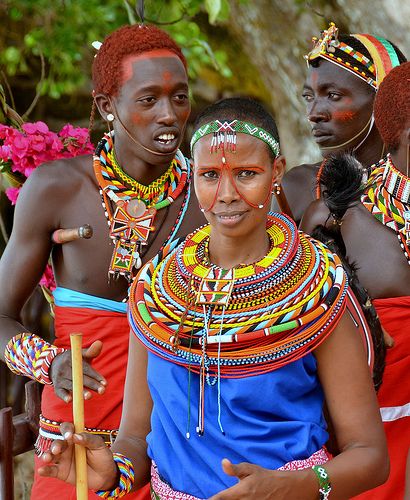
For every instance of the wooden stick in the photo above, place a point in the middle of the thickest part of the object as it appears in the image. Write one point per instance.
(78, 414)
(61, 236)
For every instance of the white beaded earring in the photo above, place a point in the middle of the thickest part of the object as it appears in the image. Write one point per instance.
(110, 117)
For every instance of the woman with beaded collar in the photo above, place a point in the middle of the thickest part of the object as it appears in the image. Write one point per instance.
(240, 335)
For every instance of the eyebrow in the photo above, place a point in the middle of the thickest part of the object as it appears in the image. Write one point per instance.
(155, 86)
(238, 167)
(327, 85)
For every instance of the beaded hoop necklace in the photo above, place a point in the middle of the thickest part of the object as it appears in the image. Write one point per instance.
(387, 197)
(135, 205)
(244, 321)
(269, 313)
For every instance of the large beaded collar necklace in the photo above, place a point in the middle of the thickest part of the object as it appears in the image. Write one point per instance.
(387, 197)
(244, 321)
(131, 207)
(269, 313)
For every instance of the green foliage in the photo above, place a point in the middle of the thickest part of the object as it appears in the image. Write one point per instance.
(54, 38)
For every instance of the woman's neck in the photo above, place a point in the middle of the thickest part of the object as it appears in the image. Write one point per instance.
(227, 252)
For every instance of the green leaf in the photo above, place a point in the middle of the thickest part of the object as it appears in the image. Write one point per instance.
(11, 55)
(213, 7)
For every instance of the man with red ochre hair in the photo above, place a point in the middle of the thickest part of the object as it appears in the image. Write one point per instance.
(137, 183)
(376, 234)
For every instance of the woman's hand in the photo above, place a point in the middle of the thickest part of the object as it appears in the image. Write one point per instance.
(61, 373)
(264, 484)
(59, 461)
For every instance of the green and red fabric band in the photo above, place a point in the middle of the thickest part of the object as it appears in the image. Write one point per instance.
(224, 135)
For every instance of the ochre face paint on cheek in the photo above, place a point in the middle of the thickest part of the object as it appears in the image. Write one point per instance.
(138, 119)
(344, 116)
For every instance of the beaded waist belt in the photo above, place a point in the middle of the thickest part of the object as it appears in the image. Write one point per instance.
(161, 490)
(50, 430)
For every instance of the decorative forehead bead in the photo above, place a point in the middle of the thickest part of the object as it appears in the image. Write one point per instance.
(224, 135)
(223, 160)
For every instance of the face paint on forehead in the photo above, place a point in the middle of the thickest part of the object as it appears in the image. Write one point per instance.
(127, 69)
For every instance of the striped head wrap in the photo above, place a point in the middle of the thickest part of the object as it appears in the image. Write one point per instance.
(369, 57)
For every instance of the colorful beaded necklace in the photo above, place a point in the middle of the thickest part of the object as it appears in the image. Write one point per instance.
(267, 311)
(243, 321)
(136, 205)
(387, 197)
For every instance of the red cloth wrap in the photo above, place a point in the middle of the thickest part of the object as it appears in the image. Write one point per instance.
(101, 411)
(394, 315)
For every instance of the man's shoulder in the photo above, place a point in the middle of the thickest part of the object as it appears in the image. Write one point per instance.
(61, 174)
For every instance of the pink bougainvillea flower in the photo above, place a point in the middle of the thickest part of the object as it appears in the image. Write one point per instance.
(35, 128)
(47, 279)
(33, 145)
(12, 194)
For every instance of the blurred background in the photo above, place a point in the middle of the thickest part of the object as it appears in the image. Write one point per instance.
(234, 47)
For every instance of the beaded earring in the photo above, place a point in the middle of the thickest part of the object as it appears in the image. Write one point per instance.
(110, 117)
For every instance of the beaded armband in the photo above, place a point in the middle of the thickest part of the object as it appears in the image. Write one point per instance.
(324, 484)
(126, 480)
(29, 355)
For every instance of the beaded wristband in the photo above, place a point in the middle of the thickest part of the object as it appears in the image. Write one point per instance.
(29, 355)
(324, 484)
(126, 480)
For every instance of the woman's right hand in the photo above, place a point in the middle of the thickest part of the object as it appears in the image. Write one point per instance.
(59, 461)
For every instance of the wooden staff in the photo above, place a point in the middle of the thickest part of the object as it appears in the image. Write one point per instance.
(78, 415)
(61, 236)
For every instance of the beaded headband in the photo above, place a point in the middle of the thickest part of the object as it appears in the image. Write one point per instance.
(329, 47)
(224, 135)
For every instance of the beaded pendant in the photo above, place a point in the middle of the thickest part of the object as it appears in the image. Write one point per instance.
(135, 206)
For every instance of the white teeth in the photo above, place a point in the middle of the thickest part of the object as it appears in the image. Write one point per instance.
(166, 137)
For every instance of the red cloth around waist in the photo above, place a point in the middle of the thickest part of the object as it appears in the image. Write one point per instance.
(101, 411)
(394, 315)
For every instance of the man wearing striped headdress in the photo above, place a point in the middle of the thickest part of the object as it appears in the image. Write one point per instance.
(344, 74)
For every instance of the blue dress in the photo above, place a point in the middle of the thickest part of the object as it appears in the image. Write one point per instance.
(268, 420)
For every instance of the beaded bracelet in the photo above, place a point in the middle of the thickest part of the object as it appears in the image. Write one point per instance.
(324, 484)
(126, 480)
(29, 355)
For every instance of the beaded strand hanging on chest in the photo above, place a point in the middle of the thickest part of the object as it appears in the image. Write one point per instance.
(131, 220)
(387, 198)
